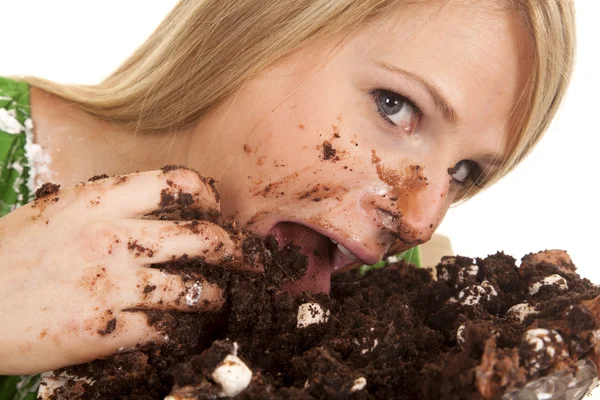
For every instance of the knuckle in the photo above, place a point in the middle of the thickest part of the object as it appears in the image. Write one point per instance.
(187, 179)
(191, 181)
(217, 234)
(101, 237)
(88, 193)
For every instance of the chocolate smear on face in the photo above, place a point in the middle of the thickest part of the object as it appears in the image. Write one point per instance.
(328, 150)
(409, 178)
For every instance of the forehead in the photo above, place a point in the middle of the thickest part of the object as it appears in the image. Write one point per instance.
(478, 53)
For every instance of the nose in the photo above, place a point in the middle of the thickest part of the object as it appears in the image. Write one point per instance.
(410, 204)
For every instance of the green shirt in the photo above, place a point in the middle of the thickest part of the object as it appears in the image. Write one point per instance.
(16, 189)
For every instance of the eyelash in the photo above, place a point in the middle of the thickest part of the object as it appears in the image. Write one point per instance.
(411, 103)
(475, 174)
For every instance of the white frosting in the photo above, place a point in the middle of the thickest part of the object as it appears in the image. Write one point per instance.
(471, 295)
(311, 313)
(460, 334)
(393, 259)
(9, 122)
(471, 270)
(50, 383)
(555, 279)
(444, 274)
(232, 375)
(359, 384)
(490, 289)
(365, 342)
(38, 159)
(537, 337)
(543, 340)
(521, 311)
(194, 294)
(178, 397)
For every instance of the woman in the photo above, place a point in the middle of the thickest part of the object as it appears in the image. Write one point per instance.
(347, 127)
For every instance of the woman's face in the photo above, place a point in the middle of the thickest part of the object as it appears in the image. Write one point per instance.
(367, 140)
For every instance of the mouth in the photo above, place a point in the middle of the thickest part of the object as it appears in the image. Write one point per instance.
(327, 254)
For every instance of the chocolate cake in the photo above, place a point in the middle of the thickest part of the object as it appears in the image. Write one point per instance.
(480, 328)
(484, 329)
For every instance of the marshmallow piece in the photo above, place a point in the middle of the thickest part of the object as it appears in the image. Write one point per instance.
(311, 313)
(393, 259)
(471, 295)
(359, 384)
(542, 348)
(521, 311)
(232, 375)
(489, 289)
(50, 383)
(178, 397)
(460, 334)
(555, 279)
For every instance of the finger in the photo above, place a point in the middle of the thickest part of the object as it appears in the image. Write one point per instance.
(158, 290)
(132, 328)
(155, 242)
(106, 335)
(144, 193)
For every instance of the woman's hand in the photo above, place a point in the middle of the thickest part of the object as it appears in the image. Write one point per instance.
(73, 262)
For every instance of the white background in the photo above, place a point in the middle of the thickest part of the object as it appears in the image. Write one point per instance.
(550, 201)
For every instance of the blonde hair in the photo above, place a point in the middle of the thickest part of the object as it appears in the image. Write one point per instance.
(205, 49)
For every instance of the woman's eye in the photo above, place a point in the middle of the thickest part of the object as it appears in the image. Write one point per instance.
(464, 171)
(397, 109)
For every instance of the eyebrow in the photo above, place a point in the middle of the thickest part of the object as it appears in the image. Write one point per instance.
(441, 103)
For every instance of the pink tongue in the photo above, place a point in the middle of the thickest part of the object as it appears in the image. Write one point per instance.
(316, 248)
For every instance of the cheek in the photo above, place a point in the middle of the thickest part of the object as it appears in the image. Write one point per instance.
(313, 165)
